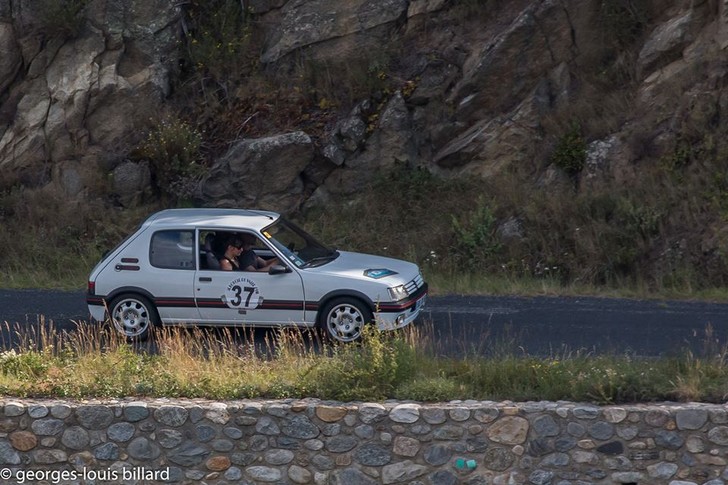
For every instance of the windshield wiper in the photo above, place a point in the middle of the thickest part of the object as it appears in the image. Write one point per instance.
(318, 259)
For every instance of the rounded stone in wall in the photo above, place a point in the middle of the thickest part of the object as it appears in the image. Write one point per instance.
(13, 409)
(691, 418)
(437, 455)
(107, 451)
(545, 426)
(576, 429)
(341, 443)
(218, 463)
(60, 411)
(406, 446)
(657, 417)
(443, 477)
(242, 459)
(299, 474)
(37, 411)
(172, 416)
(233, 473)
(137, 411)
(279, 457)
(330, 414)
(486, 414)
(23, 440)
(233, 433)
(509, 430)
(169, 438)
(205, 433)
(498, 459)
(459, 414)
(350, 476)
(669, 439)
(222, 445)
(300, 427)
(371, 454)
(120, 432)
(405, 413)
(719, 435)
(142, 449)
(95, 417)
(364, 431)
(264, 473)
(8, 456)
(75, 438)
(47, 427)
(258, 443)
(601, 430)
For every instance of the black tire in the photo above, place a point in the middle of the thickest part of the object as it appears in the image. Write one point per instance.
(343, 319)
(134, 316)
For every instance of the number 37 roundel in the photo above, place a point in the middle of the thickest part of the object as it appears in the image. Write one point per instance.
(242, 293)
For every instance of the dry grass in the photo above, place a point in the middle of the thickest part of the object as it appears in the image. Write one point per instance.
(217, 364)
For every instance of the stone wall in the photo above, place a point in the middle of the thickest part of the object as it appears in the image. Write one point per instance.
(315, 442)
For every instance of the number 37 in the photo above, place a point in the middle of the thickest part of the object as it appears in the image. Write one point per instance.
(238, 290)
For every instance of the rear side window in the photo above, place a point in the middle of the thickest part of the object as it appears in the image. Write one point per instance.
(173, 250)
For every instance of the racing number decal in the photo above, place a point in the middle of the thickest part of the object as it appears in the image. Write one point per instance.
(242, 293)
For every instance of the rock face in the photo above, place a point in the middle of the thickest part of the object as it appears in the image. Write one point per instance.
(61, 98)
(477, 86)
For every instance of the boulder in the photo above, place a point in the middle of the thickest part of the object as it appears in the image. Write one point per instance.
(262, 173)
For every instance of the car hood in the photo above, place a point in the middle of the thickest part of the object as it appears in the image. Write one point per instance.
(370, 268)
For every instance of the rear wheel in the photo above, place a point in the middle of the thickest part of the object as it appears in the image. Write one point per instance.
(134, 316)
(343, 319)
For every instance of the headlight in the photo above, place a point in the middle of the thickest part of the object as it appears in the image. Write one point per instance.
(398, 293)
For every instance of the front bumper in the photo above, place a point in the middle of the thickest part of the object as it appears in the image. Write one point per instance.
(399, 315)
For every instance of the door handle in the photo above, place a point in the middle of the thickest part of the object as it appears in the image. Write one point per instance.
(205, 279)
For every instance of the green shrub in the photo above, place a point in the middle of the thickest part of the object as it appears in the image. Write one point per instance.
(475, 235)
(570, 152)
(25, 365)
(368, 370)
(219, 40)
(172, 148)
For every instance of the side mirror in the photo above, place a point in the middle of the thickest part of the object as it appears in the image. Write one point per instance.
(278, 269)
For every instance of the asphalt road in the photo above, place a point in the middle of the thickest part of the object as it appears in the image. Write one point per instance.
(458, 325)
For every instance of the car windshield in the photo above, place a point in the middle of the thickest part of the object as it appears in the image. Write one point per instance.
(299, 247)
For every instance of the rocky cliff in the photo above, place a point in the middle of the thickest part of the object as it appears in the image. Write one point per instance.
(474, 87)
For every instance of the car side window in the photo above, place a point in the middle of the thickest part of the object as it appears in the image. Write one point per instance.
(172, 250)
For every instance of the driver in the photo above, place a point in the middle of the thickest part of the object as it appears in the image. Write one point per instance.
(248, 260)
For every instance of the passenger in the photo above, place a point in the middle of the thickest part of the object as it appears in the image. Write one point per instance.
(210, 254)
(249, 261)
(229, 259)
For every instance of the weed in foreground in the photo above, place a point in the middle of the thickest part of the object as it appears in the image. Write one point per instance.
(93, 361)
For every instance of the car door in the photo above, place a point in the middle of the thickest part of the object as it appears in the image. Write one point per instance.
(249, 297)
(169, 276)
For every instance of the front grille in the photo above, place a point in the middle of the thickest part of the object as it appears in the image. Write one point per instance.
(415, 284)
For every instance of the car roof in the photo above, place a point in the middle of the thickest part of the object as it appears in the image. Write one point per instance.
(211, 218)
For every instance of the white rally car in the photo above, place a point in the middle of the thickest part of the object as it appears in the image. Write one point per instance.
(164, 273)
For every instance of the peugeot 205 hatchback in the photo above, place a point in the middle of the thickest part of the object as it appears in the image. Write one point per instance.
(168, 272)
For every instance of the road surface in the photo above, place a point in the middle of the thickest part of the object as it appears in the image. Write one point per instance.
(479, 325)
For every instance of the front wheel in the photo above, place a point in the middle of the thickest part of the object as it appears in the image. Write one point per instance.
(133, 316)
(343, 319)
